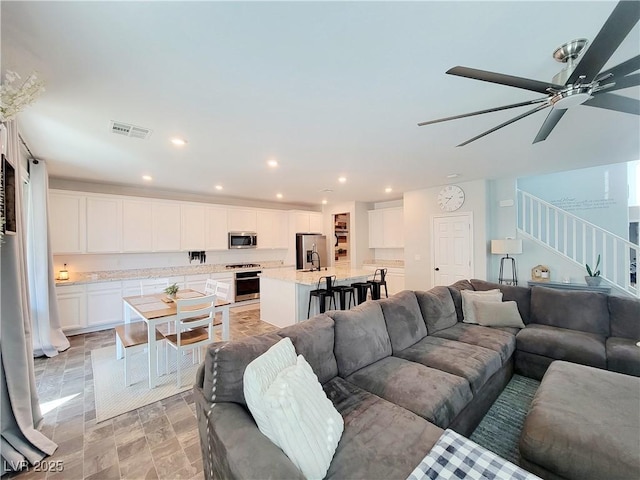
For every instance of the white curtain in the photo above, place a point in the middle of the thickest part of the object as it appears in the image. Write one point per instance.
(20, 413)
(48, 338)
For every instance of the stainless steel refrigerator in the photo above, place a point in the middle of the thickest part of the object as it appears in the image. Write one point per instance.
(311, 251)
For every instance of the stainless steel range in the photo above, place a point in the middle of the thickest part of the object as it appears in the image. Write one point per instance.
(247, 283)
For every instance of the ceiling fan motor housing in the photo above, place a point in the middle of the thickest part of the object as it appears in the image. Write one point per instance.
(568, 53)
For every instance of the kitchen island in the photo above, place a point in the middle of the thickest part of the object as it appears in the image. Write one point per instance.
(284, 292)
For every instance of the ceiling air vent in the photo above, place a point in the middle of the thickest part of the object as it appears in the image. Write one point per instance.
(128, 130)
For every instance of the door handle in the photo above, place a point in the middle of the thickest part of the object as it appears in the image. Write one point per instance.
(437, 269)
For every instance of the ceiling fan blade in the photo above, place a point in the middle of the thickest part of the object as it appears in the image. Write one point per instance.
(509, 80)
(480, 112)
(623, 18)
(508, 122)
(615, 102)
(623, 69)
(549, 124)
(624, 82)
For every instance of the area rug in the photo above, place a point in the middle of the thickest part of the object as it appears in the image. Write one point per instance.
(111, 395)
(499, 430)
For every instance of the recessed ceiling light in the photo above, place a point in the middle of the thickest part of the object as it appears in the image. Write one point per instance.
(453, 175)
(218, 187)
(324, 202)
(342, 179)
(179, 142)
(388, 190)
(279, 195)
(273, 163)
(147, 178)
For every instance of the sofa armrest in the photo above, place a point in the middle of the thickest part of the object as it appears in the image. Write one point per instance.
(233, 447)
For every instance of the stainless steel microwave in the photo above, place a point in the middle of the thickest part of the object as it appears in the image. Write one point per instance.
(243, 240)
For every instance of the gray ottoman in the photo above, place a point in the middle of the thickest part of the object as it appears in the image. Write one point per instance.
(584, 423)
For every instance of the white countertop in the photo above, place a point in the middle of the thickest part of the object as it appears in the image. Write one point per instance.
(311, 278)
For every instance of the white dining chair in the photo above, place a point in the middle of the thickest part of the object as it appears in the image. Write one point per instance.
(223, 291)
(210, 287)
(194, 329)
(133, 338)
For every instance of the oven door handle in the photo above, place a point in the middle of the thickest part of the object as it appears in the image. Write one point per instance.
(246, 278)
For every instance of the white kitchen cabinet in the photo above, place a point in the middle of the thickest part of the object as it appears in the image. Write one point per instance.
(386, 228)
(316, 223)
(67, 220)
(307, 222)
(192, 231)
(104, 303)
(196, 282)
(273, 228)
(165, 223)
(104, 224)
(72, 306)
(241, 220)
(137, 231)
(216, 230)
(394, 278)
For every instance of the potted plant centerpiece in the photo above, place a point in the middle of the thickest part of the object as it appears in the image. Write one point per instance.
(593, 279)
(171, 290)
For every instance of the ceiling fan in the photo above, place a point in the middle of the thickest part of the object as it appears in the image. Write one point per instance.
(579, 83)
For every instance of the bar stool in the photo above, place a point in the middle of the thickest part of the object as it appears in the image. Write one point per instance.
(342, 291)
(362, 288)
(376, 284)
(323, 294)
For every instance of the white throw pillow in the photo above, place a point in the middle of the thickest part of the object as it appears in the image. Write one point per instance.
(470, 296)
(498, 314)
(260, 374)
(295, 413)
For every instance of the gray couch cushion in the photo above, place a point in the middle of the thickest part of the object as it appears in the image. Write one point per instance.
(361, 337)
(435, 395)
(625, 317)
(380, 440)
(623, 356)
(225, 363)
(404, 320)
(457, 297)
(438, 309)
(583, 423)
(520, 295)
(474, 363)
(563, 344)
(583, 311)
(313, 339)
(497, 340)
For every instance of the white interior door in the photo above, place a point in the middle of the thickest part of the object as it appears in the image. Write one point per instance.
(452, 247)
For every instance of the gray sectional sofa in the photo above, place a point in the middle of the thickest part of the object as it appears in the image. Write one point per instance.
(399, 371)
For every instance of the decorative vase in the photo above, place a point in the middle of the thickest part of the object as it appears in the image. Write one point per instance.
(592, 281)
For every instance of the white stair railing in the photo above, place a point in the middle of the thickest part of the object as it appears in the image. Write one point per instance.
(579, 241)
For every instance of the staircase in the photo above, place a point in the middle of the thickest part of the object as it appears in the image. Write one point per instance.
(579, 241)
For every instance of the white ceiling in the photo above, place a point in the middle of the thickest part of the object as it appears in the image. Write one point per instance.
(327, 88)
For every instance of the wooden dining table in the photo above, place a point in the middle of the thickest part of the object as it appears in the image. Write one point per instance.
(156, 309)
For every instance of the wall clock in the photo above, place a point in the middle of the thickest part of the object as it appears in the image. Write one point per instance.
(450, 198)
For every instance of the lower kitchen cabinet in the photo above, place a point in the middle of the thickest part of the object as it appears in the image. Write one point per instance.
(104, 304)
(72, 306)
(394, 277)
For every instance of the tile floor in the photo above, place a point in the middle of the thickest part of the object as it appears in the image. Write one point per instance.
(158, 441)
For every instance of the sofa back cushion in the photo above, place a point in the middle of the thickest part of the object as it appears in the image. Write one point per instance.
(625, 317)
(226, 362)
(361, 337)
(583, 311)
(454, 290)
(520, 295)
(403, 318)
(438, 309)
(314, 340)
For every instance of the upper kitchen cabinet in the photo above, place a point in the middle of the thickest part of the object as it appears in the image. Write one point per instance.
(273, 228)
(241, 220)
(307, 222)
(386, 228)
(67, 213)
(104, 224)
(192, 232)
(215, 222)
(165, 222)
(137, 225)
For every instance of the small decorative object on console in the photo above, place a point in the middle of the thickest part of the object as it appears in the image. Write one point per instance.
(593, 279)
(172, 290)
(540, 273)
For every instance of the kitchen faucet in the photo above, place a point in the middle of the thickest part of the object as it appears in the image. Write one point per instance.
(312, 264)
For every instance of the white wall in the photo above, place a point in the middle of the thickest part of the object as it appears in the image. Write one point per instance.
(419, 208)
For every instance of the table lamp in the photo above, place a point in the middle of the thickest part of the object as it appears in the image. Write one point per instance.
(64, 273)
(507, 246)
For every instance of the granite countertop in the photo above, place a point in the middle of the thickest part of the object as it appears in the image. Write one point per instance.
(289, 274)
(384, 263)
(79, 278)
